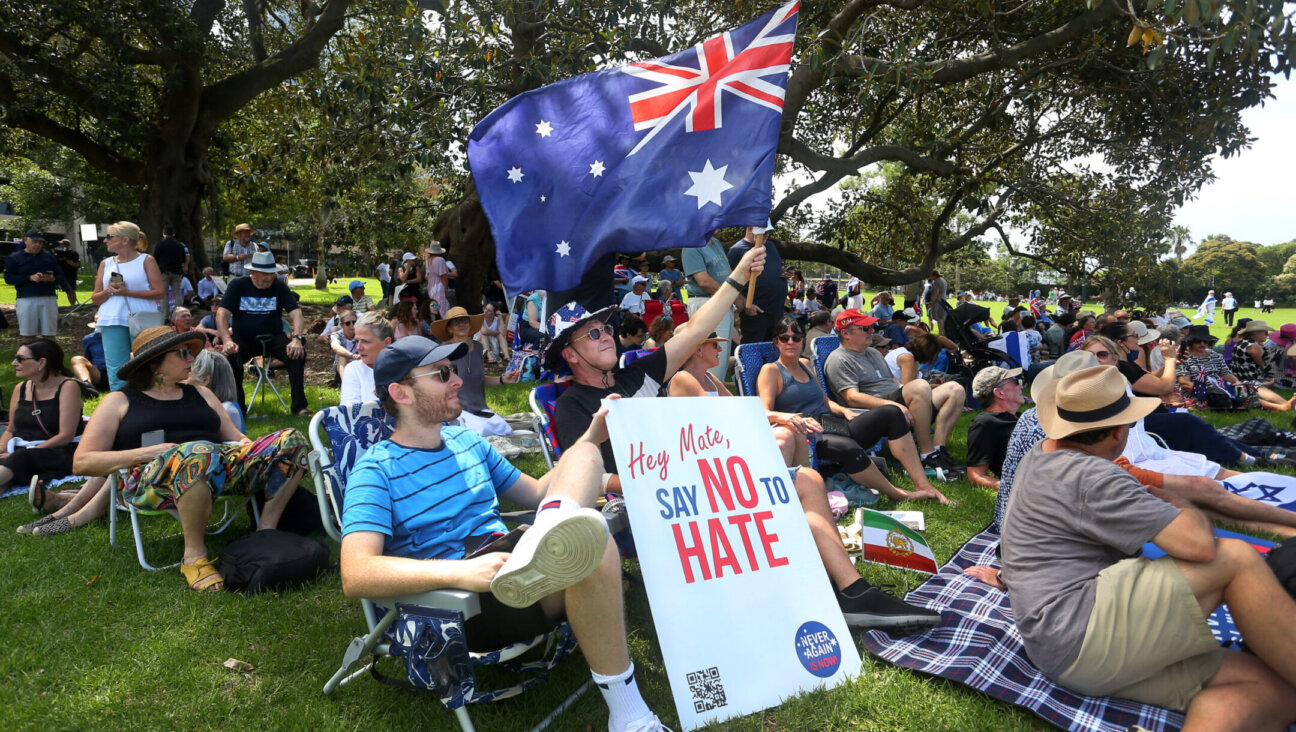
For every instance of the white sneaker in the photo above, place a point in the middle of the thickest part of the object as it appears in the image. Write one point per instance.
(553, 555)
(647, 724)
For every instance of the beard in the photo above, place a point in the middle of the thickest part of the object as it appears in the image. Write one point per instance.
(437, 409)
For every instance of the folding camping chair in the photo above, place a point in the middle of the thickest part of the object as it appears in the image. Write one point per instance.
(231, 508)
(263, 376)
(821, 347)
(338, 436)
(748, 360)
(542, 399)
(1016, 347)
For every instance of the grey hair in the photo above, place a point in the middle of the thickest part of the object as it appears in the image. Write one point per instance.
(375, 323)
(1170, 332)
(214, 368)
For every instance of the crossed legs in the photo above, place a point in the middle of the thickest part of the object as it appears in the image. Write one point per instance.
(943, 403)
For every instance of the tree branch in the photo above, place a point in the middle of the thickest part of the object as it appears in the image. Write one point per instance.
(97, 155)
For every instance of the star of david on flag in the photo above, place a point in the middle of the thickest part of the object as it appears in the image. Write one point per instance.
(652, 155)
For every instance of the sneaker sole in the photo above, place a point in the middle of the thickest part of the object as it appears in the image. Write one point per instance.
(569, 552)
(903, 624)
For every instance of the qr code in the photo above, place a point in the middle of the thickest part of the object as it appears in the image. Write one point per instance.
(708, 693)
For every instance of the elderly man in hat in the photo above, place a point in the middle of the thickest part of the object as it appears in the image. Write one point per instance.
(1000, 392)
(633, 302)
(254, 306)
(670, 273)
(415, 521)
(33, 273)
(239, 249)
(1101, 620)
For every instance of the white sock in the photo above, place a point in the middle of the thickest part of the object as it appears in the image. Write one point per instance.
(1247, 459)
(621, 694)
(924, 455)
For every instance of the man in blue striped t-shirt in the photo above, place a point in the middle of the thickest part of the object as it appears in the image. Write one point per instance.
(420, 504)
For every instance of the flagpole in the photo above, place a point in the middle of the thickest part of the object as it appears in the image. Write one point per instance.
(751, 279)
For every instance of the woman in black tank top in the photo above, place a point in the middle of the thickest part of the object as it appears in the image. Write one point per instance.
(177, 446)
(45, 408)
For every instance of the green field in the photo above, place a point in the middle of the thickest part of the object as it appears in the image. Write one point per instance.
(94, 642)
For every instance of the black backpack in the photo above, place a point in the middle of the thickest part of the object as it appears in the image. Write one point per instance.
(272, 560)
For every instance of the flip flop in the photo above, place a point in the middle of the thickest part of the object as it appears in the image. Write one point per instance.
(36, 496)
(201, 576)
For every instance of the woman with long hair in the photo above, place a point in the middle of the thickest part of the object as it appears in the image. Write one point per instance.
(797, 406)
(128, 282)
(661, 330)
(406, 321)
(44, 408)
(212, 370)
(179, 447)
(1198, 358)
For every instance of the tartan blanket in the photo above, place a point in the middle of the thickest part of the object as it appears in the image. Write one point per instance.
(977, 645)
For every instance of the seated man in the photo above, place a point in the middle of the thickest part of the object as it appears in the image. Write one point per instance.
(91, 369)
(421, 502)
(210, 289)
(859, 377)
(581, 341)
(1097, 618)
(252, 306)
(1000, 392)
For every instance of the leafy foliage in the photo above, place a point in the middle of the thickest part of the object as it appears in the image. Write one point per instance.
(1223, 264)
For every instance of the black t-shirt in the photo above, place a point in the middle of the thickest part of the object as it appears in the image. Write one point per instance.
(987, 441)
(771, 291)
(170, 256)
(255, 311)
(1130, 370)
(576, 407)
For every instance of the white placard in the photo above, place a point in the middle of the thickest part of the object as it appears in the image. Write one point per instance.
(89, 232)
(744, 611)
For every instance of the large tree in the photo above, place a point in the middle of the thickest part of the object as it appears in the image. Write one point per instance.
(140, 89)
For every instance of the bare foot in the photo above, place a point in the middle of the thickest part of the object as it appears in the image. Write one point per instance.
(988, 575)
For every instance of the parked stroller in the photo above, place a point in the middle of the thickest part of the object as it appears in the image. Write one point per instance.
(957, 328)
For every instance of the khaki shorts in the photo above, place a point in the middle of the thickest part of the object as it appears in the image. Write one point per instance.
(1147, 639)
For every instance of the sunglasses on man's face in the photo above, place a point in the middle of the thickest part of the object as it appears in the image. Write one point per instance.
(594, 333)
(442, 373)
(348, 322)
(790, 338)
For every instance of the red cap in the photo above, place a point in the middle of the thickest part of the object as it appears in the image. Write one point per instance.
(848, 318)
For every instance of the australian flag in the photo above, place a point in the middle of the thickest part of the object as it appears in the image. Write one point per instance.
(648, 156)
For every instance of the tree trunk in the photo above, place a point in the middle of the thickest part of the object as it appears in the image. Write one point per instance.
(321, 270)
(464, 232)
(174, 195)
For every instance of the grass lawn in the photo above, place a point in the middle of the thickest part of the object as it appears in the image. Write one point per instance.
(94, 642)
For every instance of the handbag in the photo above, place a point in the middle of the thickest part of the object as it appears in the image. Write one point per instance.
(272, 559)
(144, 319)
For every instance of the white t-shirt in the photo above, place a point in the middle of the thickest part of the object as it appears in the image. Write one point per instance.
(893, 360)
(1229, 303)
(357, 384)
(384, 272)
(633, 303)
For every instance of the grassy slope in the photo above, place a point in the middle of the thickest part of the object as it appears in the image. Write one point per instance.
(94, 642)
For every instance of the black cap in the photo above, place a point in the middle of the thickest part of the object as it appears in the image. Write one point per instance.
(34, 234)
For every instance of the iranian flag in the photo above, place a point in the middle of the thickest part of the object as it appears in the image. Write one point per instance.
(887, 541)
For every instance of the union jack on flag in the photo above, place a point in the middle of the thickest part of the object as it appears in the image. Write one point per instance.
(722, 66)
(653, 155)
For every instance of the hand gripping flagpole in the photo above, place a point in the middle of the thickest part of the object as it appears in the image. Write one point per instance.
(751, 278)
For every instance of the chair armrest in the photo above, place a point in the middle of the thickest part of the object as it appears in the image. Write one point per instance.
(450, 599)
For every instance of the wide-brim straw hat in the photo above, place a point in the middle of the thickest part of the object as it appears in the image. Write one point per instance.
(1257, 326)
(434, 248)
(1067, 364)
(243, 227)
(441, 328)
(156, 341)
(1089, 399)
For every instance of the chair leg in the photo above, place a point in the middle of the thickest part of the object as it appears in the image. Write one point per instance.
(139, 543)
(465, 722)
(563, 707)
(360, 648)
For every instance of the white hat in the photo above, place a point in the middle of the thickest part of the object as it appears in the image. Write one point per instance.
(407, 256)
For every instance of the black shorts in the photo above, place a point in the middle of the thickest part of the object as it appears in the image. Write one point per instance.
(896, 396)
(499, 625)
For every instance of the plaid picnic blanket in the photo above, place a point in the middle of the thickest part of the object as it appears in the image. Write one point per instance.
(977, 644)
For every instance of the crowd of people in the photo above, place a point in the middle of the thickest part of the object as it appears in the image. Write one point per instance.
(1087, 483)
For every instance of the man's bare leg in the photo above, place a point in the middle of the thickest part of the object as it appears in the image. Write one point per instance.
(918, 398)
(1261, 608)
(1243, 695)
(948, 400)
(1212, 495)
(594, 609)
(814, 502)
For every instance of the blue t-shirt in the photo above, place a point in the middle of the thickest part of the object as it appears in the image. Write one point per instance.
(428, 502)
(92, 348)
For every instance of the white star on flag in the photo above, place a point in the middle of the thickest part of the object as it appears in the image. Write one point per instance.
(564, 249)
(708, 184)
(544, 129)
(543, 199)
(515, 175)
(596, 168)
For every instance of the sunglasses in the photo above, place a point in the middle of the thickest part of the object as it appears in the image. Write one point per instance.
(348, 322)
(442, 373)
(1101, 354)
(24, 358)
(790, 338)
(594, 333)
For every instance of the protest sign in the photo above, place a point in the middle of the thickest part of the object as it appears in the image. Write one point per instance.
(745, 613)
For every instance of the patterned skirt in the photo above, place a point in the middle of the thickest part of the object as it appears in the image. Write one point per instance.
(238, 469)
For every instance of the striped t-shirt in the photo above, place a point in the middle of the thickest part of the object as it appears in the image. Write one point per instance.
(428, 502)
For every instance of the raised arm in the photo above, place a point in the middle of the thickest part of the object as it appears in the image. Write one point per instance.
(679, 348)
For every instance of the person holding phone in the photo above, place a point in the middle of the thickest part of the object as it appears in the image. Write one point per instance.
(33, 273)
(196, 453)
(128, 282)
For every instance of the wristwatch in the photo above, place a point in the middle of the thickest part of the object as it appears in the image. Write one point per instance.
(300, 337)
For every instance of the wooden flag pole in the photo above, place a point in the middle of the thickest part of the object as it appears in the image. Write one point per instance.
(751, 278)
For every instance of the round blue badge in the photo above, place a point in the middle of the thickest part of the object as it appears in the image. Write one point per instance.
(818, 649)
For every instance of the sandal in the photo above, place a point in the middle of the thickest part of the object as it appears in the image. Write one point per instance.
(36, 496)
(201, 576)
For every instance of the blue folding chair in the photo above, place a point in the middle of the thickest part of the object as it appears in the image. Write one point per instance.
(748, 360)
(630, 357)
(543, 399)
(347, 432)
(821, 347)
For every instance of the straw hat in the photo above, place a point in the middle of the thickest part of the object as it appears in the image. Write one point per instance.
(434, 248)
(441, 328)
(243, 227)
(1145, 334)
(1089, 399)
(1069, 363)
(156, 341)
(1257, 326)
